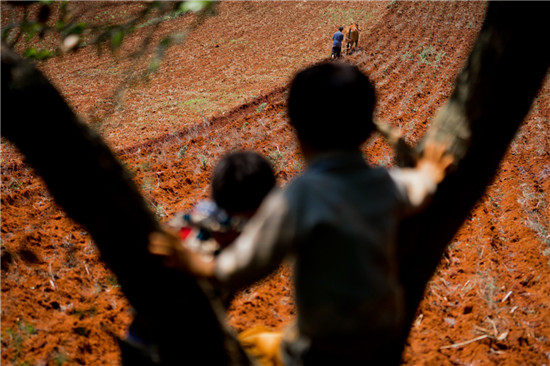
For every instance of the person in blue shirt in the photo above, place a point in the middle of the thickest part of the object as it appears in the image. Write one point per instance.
(337, 39)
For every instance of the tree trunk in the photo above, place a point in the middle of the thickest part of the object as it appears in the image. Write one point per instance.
(492, 96)
(90, 184)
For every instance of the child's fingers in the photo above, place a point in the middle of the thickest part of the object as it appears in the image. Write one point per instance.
(428, 150)
(437, 152)
(447, 160)
(435, 160)
(433, 150)
(160, 244)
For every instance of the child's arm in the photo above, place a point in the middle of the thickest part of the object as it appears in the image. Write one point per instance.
(177, 255)
(259, 249)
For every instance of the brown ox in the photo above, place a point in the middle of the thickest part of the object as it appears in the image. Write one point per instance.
(351, 37)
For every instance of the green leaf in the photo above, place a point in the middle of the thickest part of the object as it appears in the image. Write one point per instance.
(30, 52)
(154, 4)
(154, 65)
(44, 54)
(194, 5)
(116, 38)
(31, 28)
(76, 28)
(35, 54)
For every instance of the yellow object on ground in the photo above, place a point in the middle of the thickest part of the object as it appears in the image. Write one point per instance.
(263, 345)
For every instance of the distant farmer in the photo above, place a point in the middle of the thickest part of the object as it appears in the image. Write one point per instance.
(337, 39)
(338, 222)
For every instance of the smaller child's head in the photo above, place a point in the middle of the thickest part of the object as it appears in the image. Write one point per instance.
(240, 182)
(331, 106)
(340, 28)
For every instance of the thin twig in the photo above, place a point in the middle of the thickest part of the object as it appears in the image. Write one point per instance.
(418, 320)
(458, 345)
(52, 278)
(495, 333)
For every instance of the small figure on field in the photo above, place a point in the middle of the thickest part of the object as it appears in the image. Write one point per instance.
(351, 38)
(338, 222)
(337, 39)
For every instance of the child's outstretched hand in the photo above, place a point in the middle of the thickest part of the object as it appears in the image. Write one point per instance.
(176, 255)
(434, 161)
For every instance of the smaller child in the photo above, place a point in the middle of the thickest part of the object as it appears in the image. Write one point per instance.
(240, 182)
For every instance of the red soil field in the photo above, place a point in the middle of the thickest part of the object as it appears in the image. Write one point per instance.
(224, 89)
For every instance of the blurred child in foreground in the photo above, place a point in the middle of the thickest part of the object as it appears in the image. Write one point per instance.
(338, 221)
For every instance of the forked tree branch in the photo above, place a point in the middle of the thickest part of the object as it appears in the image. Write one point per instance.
(493, 95)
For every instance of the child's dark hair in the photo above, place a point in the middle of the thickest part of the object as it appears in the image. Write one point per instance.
(241, 180)
(331, 105)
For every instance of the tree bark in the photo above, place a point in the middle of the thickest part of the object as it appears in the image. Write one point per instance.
(492, 96)
(91, 185)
